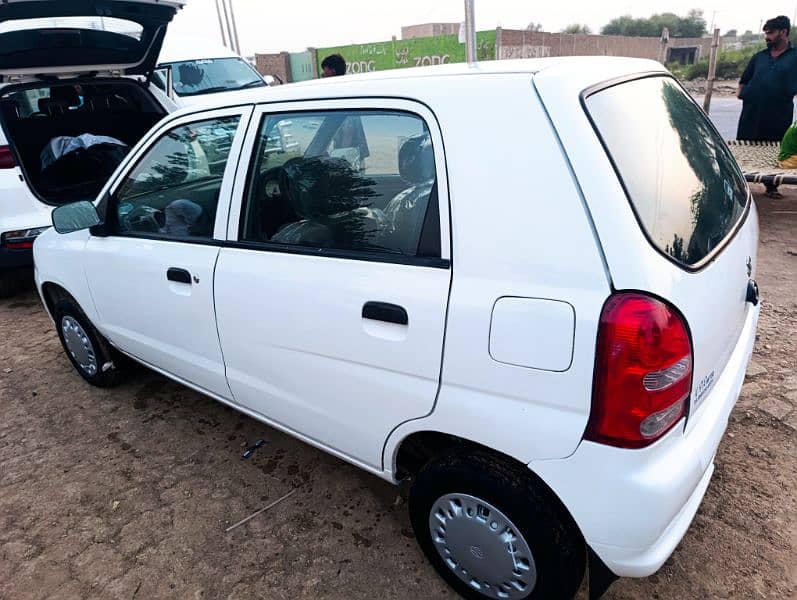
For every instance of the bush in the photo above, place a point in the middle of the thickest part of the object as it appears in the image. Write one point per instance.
(678, 69)
(730, 64)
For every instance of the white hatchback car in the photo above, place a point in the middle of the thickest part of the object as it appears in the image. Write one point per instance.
(69, 69)
(543, 329)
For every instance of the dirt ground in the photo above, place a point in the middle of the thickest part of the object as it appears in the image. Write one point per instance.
(721, 87)
(127, 493)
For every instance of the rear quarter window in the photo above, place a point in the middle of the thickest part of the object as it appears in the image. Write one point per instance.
(682, 181)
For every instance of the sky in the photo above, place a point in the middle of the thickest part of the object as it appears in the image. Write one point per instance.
(293, 25)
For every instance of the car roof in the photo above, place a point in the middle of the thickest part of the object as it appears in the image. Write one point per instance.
(179, 48)
(569, 72)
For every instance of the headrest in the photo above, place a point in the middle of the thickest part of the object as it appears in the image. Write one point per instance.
(100, 103)
(182, 216)
(46, 105)
(416, 159)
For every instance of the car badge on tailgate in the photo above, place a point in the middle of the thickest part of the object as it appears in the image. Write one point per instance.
(703, 386)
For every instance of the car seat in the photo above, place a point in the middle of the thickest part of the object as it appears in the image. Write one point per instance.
(405, 213)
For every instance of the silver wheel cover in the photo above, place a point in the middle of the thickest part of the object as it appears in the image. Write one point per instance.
(482, 547)
(79, 345)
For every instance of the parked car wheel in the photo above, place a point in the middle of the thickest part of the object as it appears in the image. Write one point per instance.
(491, 531)
(90, 353)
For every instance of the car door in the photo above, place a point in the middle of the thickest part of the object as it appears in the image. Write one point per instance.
(151, 273)
(331, 294)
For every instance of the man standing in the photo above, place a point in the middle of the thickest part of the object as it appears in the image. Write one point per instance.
(768, 86)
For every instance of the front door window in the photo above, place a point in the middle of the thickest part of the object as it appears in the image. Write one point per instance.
(173, 191)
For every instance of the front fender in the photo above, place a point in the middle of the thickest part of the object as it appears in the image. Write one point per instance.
(58, 260)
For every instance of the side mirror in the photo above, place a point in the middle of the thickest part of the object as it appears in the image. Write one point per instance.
(75, 216)
(272, 80)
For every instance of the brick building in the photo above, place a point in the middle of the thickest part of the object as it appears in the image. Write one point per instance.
(278, 65)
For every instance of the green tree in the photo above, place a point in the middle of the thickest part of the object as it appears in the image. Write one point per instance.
(534, 26)
(577, 28)
(625, 25)
(730, 33)
(692, 25)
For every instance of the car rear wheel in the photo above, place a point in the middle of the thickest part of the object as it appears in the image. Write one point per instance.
(492, 531)
(88, 351)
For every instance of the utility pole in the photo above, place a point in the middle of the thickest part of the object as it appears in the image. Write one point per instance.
(221, 23)
(229, 27)
(470, 32)
(712, 70)
(234, 29)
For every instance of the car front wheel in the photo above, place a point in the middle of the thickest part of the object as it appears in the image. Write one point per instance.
(88, 351)
(492, 531)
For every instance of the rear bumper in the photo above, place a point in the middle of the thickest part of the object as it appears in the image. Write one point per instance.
(634, 506)
(15, 259)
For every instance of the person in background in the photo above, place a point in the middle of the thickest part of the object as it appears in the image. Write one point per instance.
(333, 65)
(787, 158)
(768, 85)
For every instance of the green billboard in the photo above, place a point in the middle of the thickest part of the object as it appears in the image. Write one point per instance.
(414, 52)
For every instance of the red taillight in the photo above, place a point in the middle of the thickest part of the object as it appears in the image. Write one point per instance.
(6, 158)
(18, 245)
(643, 372)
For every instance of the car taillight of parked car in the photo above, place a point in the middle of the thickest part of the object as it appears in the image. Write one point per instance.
(6, 158)
(20, 240)
(643, 372)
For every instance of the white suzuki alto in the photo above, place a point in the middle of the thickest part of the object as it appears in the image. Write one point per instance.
(541, 328)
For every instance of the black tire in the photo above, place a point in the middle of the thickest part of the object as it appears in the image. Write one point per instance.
(108, 363)
(558, 550)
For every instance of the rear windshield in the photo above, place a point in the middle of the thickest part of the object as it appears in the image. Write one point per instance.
(205, 76)
(684, 185)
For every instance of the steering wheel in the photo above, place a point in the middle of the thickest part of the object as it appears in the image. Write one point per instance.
(143, 219)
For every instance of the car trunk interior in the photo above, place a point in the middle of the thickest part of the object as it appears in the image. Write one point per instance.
(33, 116)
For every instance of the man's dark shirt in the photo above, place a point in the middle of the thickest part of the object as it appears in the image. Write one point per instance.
(769, 88)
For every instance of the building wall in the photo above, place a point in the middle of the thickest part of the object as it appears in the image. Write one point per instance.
(303, 66)
(274, 64)
(539, 44)
(429, 30)
(420, 47)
